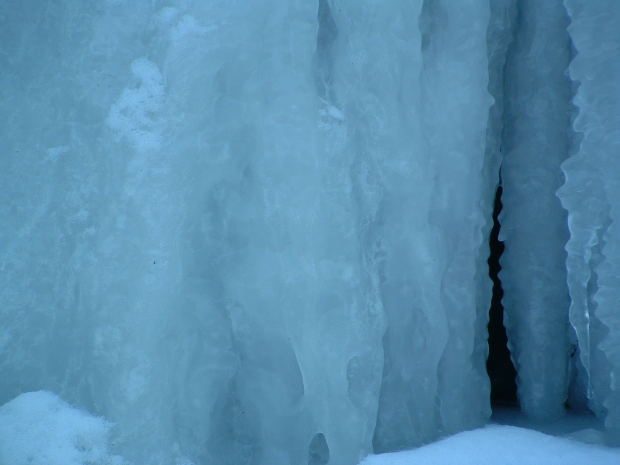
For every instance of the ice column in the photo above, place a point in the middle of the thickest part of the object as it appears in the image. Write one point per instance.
(376, 79)
(533, 222)
(591, 194)
(288, 256)
(411, 79)
(454, 115)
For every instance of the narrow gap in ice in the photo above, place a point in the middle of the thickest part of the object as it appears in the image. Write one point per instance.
(501, 371)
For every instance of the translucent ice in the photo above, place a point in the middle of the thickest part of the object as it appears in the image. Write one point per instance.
(591, 194)
(408, 72)
(256, 232)
(533, 223)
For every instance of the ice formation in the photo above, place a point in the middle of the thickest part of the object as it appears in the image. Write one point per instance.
(256, 232)
(535, 143)
(591, 195)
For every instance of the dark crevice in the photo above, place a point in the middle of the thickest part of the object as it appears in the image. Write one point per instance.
(501, 371)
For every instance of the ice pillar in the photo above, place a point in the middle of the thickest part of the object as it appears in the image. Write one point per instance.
(533, 222)
(591, 194)
(411, 79)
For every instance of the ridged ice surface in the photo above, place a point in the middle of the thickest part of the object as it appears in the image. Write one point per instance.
(533, 223)
(255, 232)
(220, 228)
(591, 195)
(402, 132)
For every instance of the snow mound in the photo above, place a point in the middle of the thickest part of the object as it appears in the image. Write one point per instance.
(39, 428)
(501, 445)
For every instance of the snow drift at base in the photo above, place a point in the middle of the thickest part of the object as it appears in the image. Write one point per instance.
(501, 445)
(38, 428)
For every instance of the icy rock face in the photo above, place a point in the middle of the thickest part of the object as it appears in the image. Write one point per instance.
(591, 194)
(536, 122)
(38, 428)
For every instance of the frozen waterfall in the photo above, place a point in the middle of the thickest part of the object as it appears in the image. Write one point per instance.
(256, 232)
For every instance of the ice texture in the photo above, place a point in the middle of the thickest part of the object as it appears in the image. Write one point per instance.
(408, 81)
(220, 233)
(256, 232)
(591, 194)
(533, 222)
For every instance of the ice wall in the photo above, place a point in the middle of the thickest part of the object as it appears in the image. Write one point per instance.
(533, 223)
(219, 229)
(591, 196)
(256, 232)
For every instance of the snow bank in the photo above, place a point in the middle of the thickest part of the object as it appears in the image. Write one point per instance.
(501, 445)
(39, 428)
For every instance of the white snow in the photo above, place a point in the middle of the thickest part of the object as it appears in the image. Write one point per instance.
(38, 428)
(133, 114)
(501, 445)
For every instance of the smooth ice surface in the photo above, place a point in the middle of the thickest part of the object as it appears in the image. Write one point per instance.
(501, 445)
(411, 143)
(38, 428)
